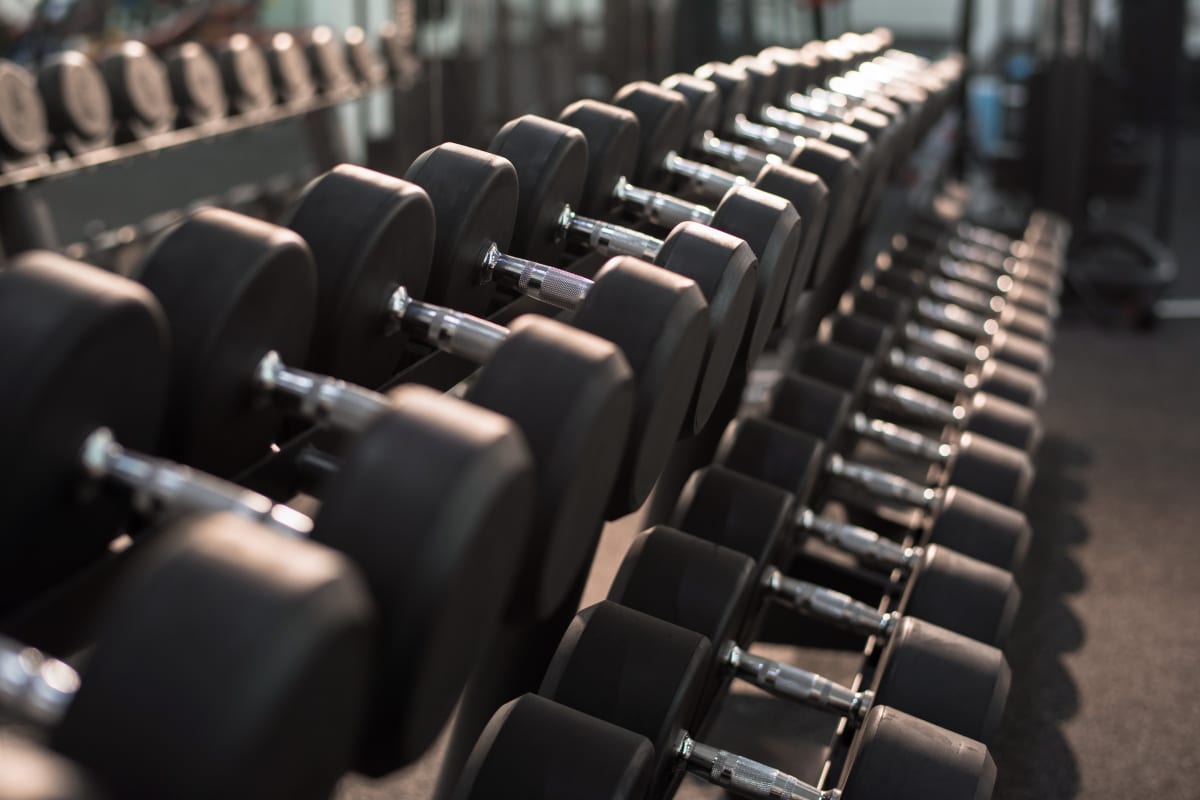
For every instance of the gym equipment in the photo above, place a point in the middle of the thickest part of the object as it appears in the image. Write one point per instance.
(246, 75)
(366, 65)
(31, 772)
(429, 452)
(196, 85)
(78, 105)
(929, 672)
(24, 132)
(240, 294)
(140, 90)
(328, 63)
(291, 75)
(233, 664)
(536, 749)
(894, 755)
(618, 154)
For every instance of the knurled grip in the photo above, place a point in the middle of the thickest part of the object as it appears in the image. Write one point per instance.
(836, 608)
(883, 484)
(750, 779)
(794, 683)
(917, 403)
(858, 541)
(931, 370)
(900, 439)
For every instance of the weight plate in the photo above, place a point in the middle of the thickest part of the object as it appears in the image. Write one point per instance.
(290, 72)
(663, 118)
(196, 84)
(735, 91)
(735, 511)
(23, 127)
(234, 289)
(962, 594)
(703, 100)
(613, 142)
(327, 60)
(245, 74)
(366, 66)
(140, 90)
(78, 105)
(369, 233)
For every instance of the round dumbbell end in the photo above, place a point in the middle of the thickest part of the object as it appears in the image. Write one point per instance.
(196, 84)
(735, 511)
(809, 405)
(898, 756)
(962, 594)
(1010, 382)
(613, 143)
(945, 678)
(1022, 351)
(782, 456)
(996, 471)
(23, 125)
(810, 197)
(663, 117)
(1004, 421)
(78, 105)
(703, 99)
(981, 528)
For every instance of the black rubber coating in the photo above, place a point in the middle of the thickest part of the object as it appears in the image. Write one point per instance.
(962, 594)
(290, 73)
(944, 678)
(196, 85)
(764, 80)
(246, 75)
(1010, 382)
(234, 289)
(24, 131)
(83, 349)
(703, 100)
(843, 367)
(635, 671)
(475, 202)
(536, 749)
(1033, 299)
(369, 233)
(433, 504)
(269, 673)
(1027, 323)
(992, 469)
(770, 451)
(843, 176)
(736, 511)
(862, 333)
(571, 394)
(659, 320)
(663, 118)
(810, 405)
(328, 63)
(140, 90)
(551, 160)
(980, 528)
(78, 106)
(367, 66)
(31, 772)
(1005, 421)
(809, 195)
(735, 89)
(1021, 351)
(901, 757)
(613, 143)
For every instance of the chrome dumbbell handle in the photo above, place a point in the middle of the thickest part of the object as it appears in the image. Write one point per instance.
(772, 138)
(794, 122)
(965, 295)
(34, 688)
(661, 209)
(837, 609)
(946, 344)
(551, 285)
(956, 318)
(744, 777)
(792, 683)
(975, 275)
(711, 179)
(745, 158)
(900, 439)
(944, 376)
(884, 484)
(860, 542)
(916, 403)
(321, 398)
(158, 484)
(606, 238)
(464, 335)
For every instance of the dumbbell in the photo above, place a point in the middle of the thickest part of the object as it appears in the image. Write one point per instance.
(366, 65)
(536, 749)
(681, 354)
(140, 90)
(246, 75)
(79, 108)
(801, 462)
(328, 63)
(32, 772)
(1019, 260)
(240, 295)
(357, 222)
(291, 75)
(966, 459)
(586, 177)
(232, 663)
(68, 325)
(929, 672)
(24, 131)
(894, 755)
(196, 85)
(1009, 422)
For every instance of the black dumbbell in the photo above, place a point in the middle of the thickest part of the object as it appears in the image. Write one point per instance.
(196, 85)
(24, 130)
(246, 75)
(965, 459)
(536, 749)
(366, 64)
(799, 462)
(68, 324)
(328, 63)
(240, 297)
(78, 105)
(930, 672)
(1020, 261)
(31, 772)
(668, 122)
(894, 755)
(291, 75)
(140, 90)
(233, 663)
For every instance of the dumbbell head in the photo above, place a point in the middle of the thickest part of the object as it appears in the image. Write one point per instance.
(83, 349)
(140, 90)
(536, 749)
(552, 161)
(290, 73)
(258, 642)
(196, 85)
(736, 511)
(366, 65)
(636, 672)
(78, 105)
(234, 289)
(328, 63)
(981, 528)
(962, 594)
(245, 74)
(785, 457)
(24, 131)
(30, 772)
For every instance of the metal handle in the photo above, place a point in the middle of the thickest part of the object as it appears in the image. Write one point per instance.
(900, 439)
(34, 687)
(321, 398)
(768, 136)
(956, 318)
(916, 403)
(661, 209)
(793, 122)
(945, 343)
(858, 541)
(883, 484)
(839, 610)
(463, 335)
(707, 177)
(793, 683)
(747, 159)
(964, 295)
(551, 285)
(158, 485)
(608, 239)
(979, 255)
(813, 105)
(744, 777)
(924, 368)
(975, 275)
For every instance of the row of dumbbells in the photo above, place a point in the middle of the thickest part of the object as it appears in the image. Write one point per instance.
(75, 105)
(368, 236)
